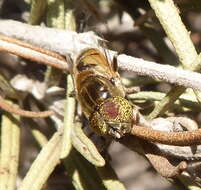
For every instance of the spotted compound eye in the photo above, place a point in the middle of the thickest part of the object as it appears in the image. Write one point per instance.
(116, 109)
(110, 109)
(115, 113)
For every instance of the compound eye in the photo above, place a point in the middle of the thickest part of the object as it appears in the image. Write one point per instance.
(116, 109)
(110, 110)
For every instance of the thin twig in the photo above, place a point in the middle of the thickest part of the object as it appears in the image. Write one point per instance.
(7, 89)
(168, 16)
(155, 156)
(12, 109)
(109, 177)
(166, 102)
(55, 14)
(69, 115)
(55, 19)
(43, 165)
(82, 174)
(57, 40)
(66, 42)
(64, 8)
(37, 11)
(38, 135)
(160, 72)
(85, 146)
(188, 135)
(10, 145)
(184, 101)
(164, 167)
(28, 51)
(186, 138)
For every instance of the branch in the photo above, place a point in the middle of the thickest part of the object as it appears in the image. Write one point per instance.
(15, 110)
(168, 14)
(68, 42)
(10, 149)
(160, 72)
(185, 138)
(43, 165)
(34, 53)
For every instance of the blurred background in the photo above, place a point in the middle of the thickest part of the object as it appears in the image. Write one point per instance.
(128, 27)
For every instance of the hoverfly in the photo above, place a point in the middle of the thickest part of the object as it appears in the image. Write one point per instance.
(101, 94)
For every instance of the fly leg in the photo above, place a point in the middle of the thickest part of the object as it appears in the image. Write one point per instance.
(118, 131)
